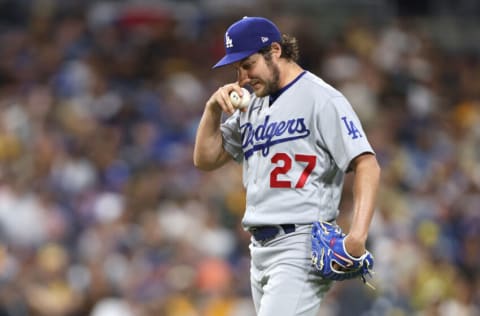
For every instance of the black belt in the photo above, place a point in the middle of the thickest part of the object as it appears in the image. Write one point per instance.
(265, 233)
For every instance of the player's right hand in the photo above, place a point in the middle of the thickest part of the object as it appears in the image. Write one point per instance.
(220, 99)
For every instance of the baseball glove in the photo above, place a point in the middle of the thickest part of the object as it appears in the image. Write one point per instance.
(331, 260)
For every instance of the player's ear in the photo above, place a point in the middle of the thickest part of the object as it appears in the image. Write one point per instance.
(276, 50)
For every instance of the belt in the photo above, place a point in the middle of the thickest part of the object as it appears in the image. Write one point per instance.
(265, 233)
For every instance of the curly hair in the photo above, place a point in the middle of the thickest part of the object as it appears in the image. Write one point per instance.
(290, 50)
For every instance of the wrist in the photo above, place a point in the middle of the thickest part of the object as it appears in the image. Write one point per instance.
(212, 106)
(214, 109)
(358, 237)
(358, 233)
(353, 246)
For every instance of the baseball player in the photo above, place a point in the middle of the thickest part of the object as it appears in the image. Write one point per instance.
(296, 140)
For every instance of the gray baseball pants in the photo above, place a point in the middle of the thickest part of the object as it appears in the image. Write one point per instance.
(281, 276)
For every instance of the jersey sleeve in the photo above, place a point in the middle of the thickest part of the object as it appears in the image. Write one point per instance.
(342, 132)
(232, 140)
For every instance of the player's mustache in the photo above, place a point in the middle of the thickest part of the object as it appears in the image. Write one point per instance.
(254, 81)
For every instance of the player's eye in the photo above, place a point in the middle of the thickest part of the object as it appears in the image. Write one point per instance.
(248, 65)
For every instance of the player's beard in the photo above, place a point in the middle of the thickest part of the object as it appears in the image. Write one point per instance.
(272, 84)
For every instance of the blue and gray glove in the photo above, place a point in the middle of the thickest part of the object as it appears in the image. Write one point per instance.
(330, 258)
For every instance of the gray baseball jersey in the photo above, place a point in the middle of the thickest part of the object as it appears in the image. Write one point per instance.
(295, 152)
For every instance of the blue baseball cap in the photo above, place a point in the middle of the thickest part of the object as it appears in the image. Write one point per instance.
(246, 37)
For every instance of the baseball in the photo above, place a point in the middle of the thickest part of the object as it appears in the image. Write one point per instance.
(240, 102)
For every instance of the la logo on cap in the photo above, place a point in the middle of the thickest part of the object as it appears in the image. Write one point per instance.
(228, 41)
(250, 34)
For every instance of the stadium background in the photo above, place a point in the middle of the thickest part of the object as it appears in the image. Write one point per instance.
(102, 212)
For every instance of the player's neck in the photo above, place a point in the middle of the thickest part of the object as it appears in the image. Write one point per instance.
(274, 96)
(290, 72)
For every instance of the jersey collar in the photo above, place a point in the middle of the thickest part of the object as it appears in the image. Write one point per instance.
(274, 96)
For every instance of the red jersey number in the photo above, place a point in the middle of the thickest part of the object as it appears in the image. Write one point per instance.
(284, 164)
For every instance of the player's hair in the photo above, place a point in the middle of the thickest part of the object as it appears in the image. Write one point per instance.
(289, 46)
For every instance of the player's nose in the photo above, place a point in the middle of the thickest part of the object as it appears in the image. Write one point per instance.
(242, 77)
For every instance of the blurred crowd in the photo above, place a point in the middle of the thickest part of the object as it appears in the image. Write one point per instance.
(103, 214)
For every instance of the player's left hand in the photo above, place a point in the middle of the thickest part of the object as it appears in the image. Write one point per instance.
(330, 257)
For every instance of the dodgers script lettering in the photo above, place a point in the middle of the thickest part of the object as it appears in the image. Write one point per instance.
(267, 134)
